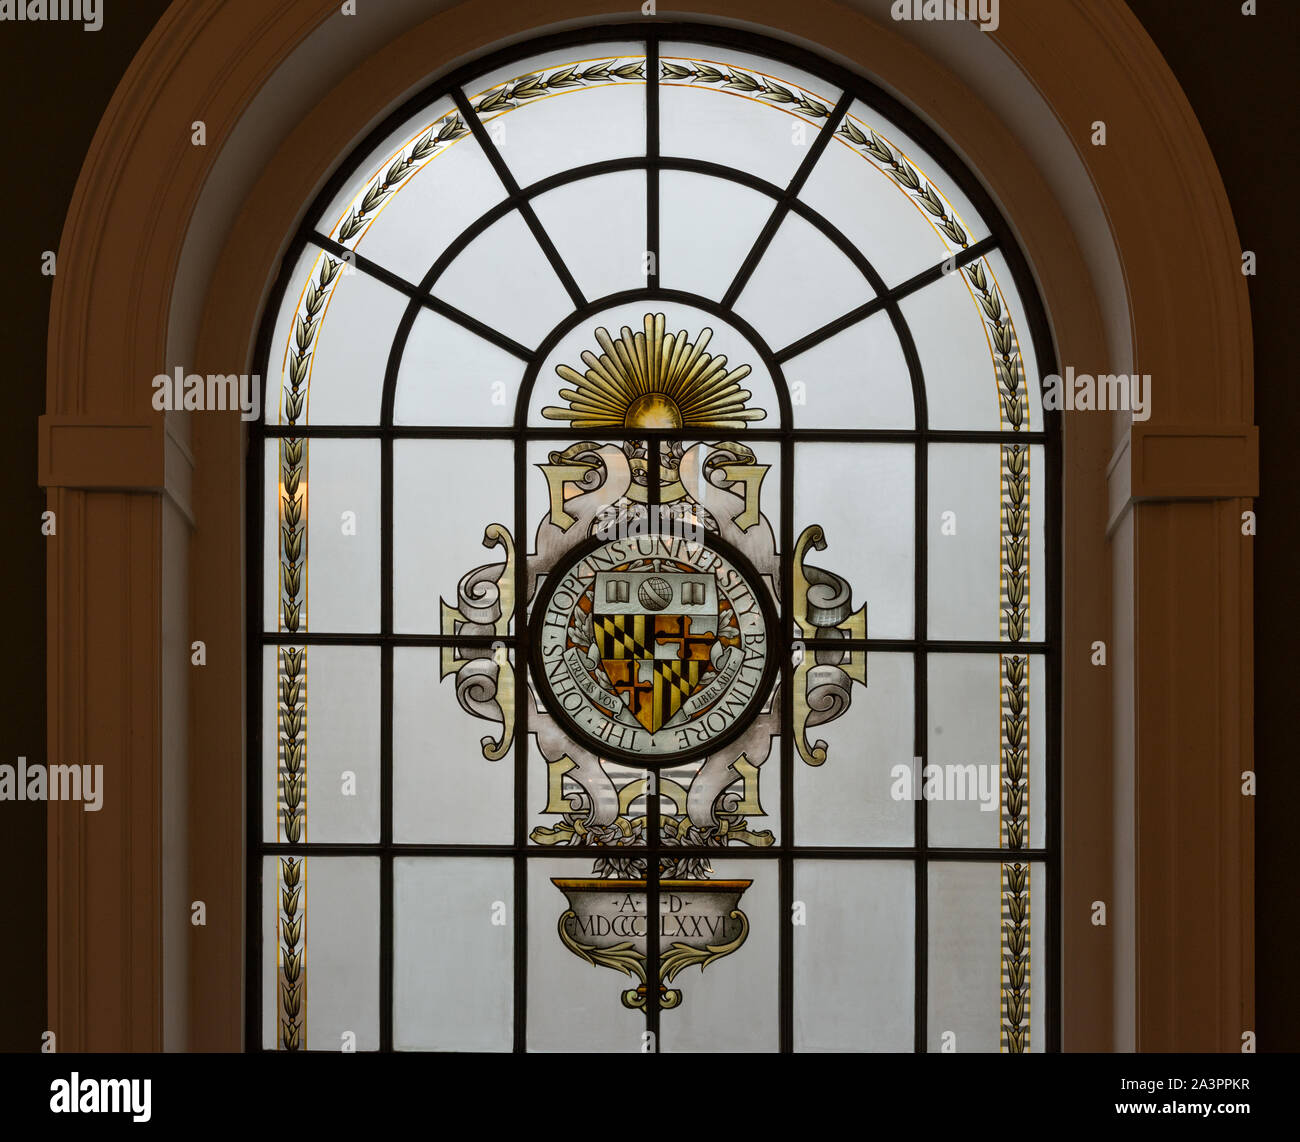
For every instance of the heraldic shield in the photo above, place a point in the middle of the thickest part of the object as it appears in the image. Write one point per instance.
(656, 632)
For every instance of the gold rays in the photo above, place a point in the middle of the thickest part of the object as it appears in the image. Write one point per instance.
(654, 380)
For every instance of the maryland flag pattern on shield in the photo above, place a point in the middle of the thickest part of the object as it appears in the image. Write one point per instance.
(654, 631)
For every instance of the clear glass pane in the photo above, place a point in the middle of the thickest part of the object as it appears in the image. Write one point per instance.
(856, 379)
(334, 566)
(565, 108)
(452, 376)
(446, 495)
(854, 958)
(862, 497)
(334, 690)
(445, 704)
(986, 554)
(852, 798)
(964, 956)
(355, 337)
(890, 197)
(741, 110)
(986, 956)
(801, 283)
(958, 356)
(453, 954)
(718, 940)
(707, 226)
(331, 343)
(503, 279)
(320, 953)
(598, 226)
(435, 140)
(447, 184)
(978, 756)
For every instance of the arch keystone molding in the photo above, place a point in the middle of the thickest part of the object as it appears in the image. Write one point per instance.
(171, 250)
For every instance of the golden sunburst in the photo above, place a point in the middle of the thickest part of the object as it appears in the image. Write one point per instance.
(654, 381)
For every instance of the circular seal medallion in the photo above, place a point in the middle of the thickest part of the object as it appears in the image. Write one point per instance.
(654, 648)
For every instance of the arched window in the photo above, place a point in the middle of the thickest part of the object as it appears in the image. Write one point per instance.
(657, 573)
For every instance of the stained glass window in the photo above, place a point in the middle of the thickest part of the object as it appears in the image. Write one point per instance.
(654, 576)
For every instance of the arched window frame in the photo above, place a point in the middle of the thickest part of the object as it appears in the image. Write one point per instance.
(787, 436)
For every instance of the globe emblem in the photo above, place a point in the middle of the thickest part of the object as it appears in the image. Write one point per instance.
(655, 594)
